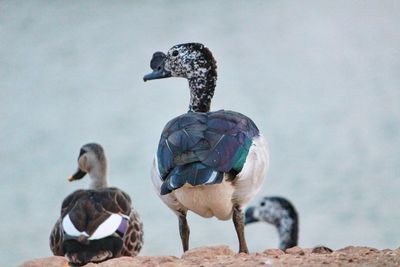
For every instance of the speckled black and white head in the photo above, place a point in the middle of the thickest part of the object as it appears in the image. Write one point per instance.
(92, 160)
(279, 212)
(194, 62)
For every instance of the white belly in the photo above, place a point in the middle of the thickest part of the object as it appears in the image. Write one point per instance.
(207, 200)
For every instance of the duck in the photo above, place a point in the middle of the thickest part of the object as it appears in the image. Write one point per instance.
(279, 212)
(209, 162)
(98, 223)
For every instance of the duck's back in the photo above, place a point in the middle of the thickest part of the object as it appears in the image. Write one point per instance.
(199, 148)
(105, 216)
(92, 203)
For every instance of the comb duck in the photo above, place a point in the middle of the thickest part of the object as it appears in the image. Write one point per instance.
(212, 163)
(99, 223)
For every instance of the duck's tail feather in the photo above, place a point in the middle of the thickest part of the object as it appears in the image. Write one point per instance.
(194, 174)
(95, 251)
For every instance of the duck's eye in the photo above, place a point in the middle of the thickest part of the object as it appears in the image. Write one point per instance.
(175, 53)
(262, 204)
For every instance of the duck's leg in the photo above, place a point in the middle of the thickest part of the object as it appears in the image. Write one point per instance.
(184, 231)
(237, 219)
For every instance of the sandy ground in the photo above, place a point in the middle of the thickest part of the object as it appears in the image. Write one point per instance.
(224, 256)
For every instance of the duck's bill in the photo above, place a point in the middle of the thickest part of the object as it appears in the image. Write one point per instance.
(157, 64)
(249, 216)
(79, 174)
(157, 74)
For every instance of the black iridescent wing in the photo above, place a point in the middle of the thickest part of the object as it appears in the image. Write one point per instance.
(197, 148)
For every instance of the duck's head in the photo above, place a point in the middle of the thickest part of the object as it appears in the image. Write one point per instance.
(192, 61)
(257, 212)
(91, 160)
(281, 213)
(184, 60)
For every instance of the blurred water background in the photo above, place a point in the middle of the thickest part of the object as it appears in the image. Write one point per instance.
(320, 78)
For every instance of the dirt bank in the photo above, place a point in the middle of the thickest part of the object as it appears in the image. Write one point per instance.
(224, 256)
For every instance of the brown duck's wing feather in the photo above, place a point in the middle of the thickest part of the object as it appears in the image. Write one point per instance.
(112, 199)
(89, 208)
(56, 239)
(115, 200)
(57, 234)
(133, 239)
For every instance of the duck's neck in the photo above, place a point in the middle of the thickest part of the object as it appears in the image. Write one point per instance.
(286, 222)
(98, 177)
(202, 86)
(288, 232)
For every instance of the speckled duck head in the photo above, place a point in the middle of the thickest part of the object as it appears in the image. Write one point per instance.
(194, 62)
(281, 213)
(92, 160)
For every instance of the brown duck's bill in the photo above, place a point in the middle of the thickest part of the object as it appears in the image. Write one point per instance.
(79, 174)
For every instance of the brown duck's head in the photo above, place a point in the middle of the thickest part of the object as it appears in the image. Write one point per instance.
(91, 159)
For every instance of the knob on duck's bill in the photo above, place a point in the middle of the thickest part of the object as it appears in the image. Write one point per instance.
(79, 174)
(157, 64)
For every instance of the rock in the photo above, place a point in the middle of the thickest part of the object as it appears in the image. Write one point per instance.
(145, 261)
(294, 251)
(360, 250)
(268, 262)
(274, 252)
(208, 252)
(223, 256)
(54, 261)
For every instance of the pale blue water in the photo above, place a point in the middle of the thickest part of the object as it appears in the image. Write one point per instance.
(321, 79)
